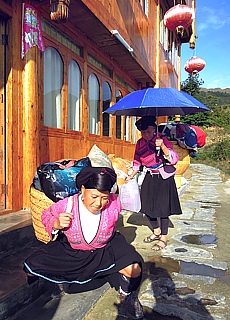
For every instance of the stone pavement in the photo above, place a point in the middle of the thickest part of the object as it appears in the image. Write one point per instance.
(188, 280)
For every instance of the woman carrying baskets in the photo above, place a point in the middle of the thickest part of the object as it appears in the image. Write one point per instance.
(159, 197)
(89, 252)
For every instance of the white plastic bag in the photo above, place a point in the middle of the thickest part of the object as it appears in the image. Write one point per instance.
(130, 196)
(141, 176)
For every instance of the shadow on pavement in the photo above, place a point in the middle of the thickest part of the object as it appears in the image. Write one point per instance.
(161, 297)
(172, 302)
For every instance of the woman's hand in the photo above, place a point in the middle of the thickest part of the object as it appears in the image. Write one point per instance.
(159, 142)
(127, 179)
(63, 220)
(131, 176)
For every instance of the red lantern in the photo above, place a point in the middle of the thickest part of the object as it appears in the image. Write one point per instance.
(178, 18)
(194, 65)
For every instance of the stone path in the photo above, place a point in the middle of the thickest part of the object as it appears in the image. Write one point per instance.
(189, 279)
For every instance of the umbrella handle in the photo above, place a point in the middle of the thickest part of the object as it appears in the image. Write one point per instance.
(157, 131)
(158, 149)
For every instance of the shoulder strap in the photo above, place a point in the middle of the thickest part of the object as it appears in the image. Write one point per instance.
(69, 205)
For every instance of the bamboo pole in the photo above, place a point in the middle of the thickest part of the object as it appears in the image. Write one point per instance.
(192, 41)
(158, 46)
(160, 119)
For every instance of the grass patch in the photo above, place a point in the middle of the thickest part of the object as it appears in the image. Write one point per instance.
(216, 152)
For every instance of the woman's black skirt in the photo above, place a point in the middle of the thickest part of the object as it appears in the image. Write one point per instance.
(82, 270)
(159, 197)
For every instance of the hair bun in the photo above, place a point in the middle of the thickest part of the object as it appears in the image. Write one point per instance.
(87, 173)
(145, 122)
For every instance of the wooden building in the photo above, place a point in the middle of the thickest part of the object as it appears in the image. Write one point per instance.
(52, 100)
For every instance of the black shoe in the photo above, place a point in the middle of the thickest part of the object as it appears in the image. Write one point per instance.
(58, 292)
(31, 279)
(132, 306)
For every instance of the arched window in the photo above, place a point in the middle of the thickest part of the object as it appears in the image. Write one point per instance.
(53, 82)
(93, 102)
(74, 95)
(106, 97)
(118, 118)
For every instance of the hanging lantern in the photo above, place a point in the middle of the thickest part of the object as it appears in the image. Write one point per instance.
(59, 10)
(194, 65)
(178, 18)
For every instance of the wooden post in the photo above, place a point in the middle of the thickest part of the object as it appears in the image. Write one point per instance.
(179, 68)
(158, 46)
(30, 122)
(162, 119)
(192, 41)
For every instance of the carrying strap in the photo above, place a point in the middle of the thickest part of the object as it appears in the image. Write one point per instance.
(69, 206)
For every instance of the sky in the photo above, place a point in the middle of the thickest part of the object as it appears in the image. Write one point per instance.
(212, 44)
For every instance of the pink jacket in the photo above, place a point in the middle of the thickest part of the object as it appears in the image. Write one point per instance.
(146, 155)
(74, 234)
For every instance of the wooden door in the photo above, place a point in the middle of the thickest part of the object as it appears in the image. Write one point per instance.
(3, 45)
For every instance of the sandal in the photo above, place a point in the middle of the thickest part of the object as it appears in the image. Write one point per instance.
(150, 239)
(158, 247)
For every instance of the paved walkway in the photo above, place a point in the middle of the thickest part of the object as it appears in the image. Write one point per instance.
(187, 280)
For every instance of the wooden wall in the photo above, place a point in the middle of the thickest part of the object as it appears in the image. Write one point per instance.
(168, 75)
(29, 143)
(128, 18)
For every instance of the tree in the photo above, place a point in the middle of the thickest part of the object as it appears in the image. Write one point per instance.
(192, 85)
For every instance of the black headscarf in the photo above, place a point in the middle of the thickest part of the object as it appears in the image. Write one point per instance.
(144, 122)
(100, 178)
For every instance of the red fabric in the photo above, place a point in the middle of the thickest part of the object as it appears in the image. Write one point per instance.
(201, 136)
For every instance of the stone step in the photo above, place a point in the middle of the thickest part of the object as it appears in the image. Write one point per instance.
(18, 299)
(15, 294)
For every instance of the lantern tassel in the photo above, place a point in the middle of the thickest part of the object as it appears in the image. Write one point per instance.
(180, 30)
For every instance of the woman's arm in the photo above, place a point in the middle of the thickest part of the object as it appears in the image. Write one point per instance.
(169, 154)
(136, 162)
(56, 217)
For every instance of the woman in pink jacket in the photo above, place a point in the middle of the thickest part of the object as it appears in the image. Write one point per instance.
(159, 197)
(88, 252)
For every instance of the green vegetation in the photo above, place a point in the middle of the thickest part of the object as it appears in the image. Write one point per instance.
(216, 152)
(216, 124)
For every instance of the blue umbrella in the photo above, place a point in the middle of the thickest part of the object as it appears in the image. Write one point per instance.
(157, 102)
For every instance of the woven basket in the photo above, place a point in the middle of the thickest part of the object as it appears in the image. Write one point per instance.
(183, 163)
(39, 202)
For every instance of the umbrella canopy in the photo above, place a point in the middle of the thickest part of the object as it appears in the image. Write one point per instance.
(157, 102)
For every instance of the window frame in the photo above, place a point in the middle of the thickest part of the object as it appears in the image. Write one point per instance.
(86, 68)
(169, 42)
(126, 125)
(97, 127)
(106, 115)
(59, 121)
(101, 78)
(66, 55)
(80, 98)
